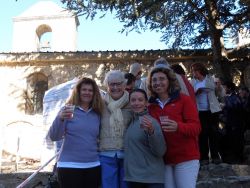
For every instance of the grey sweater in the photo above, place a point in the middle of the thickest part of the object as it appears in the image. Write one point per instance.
(143, 161)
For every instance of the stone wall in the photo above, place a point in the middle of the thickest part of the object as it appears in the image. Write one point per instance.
(60, 67)
(64, 66)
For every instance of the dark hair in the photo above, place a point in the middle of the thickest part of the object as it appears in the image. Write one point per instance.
(96, 103)
(140, 91)
(230, 85)
(130, 78)
(200, 67)
(178, 69)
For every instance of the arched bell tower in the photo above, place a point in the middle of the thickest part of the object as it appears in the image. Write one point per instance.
(45, 26)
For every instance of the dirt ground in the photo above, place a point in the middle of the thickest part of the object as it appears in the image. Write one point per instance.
(14, 173)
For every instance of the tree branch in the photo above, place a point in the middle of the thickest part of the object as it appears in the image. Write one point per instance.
(238, 48)
(238, 18)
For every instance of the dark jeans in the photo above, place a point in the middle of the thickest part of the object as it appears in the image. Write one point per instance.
(209, 137)
(145, 185)
(79, 178)
(233, 146)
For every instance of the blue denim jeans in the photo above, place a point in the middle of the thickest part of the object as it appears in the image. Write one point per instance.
(112, 172)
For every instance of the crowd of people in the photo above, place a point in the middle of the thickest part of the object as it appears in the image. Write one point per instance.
(152, 132)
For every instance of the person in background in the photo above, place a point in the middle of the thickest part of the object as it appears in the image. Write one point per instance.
(136, 70)
(233, 141)
(130, 85)
(115, 120)
(78, 164)
(220, 93)
(180, 71)
(219, 90)
(209, 109)
(144, 85)
(178, 116)
(144, 146)
(245, 100)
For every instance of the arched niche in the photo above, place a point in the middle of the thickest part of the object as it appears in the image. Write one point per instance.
(37, 84)
(44, 33)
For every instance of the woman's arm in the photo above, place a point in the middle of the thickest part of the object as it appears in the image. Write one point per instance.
(156, 140)
(57, 129)
(190, 126)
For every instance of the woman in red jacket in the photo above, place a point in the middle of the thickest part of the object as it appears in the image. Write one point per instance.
(180, 125)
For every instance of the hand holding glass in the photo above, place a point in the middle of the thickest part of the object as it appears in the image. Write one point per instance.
(144, 122)
(164, 120)
(168, 125)
(68, 111)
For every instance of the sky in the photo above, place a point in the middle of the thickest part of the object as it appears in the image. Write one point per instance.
(97, 35)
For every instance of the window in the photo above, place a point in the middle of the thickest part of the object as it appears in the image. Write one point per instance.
(37, 84)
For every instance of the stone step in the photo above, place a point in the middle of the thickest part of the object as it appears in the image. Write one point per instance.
(210, 176)
(228, 182)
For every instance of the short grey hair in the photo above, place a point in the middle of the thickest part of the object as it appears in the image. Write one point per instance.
(114, 75)
(161, 63)
(135, 68)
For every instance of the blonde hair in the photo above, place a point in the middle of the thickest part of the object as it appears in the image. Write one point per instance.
(96, 103)
(174, 85)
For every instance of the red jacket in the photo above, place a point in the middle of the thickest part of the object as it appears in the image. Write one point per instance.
(182, 145)
(189, 88)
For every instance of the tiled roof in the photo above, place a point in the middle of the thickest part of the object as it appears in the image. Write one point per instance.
(170, 54)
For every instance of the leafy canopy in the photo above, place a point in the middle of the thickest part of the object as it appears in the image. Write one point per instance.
(184, 23)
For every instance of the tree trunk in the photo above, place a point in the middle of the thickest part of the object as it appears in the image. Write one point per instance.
(216, 37)
(220, 68)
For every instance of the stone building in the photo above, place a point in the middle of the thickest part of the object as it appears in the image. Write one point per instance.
(45, 17)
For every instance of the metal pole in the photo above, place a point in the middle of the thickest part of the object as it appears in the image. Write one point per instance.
(36, 172)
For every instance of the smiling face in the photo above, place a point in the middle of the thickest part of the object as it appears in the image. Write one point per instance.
(116, 89)
(86, 94)
(160, 83)
(138, 102)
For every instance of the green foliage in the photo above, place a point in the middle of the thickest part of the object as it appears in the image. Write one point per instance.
(183, 23)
